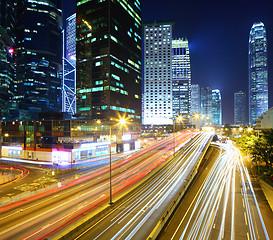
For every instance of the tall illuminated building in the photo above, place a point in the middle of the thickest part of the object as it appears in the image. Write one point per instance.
(181, 78)
(195, 99)
(39, 56)
(108, 45)
(206, 104)
(240, 107)
(7, 55)
(69, 67)
(216, 108)
(158, 88)
(258, 75)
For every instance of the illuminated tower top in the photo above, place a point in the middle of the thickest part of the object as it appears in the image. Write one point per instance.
(258, 75)
(71, 38)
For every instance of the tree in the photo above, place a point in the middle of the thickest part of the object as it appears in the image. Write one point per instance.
(247, 141)
(262, 150)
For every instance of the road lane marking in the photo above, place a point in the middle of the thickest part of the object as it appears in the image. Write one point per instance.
(245, 218)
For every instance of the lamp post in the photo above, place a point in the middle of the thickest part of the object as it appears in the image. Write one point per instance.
(180, 118)
(121, 122)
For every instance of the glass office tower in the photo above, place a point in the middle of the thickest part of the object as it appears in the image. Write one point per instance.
(240, 116)
(7, 55)
(69, 67)
(195, 99)
(181, 78)
(216, 107)
(157, 109)
(206, 103)
(39, 56)
(258, 76)
(108, 45)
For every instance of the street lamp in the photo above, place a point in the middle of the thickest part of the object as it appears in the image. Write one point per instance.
(121, 122)
(249, 129)
(179, 119)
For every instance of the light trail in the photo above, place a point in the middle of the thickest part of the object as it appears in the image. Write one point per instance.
(218, 193)
(61, 214)
(23, 173)
(152, 198)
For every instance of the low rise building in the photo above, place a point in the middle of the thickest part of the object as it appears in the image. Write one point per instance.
(66, 141)
(265, 121)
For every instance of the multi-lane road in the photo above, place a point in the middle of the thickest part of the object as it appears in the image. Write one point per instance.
(52, 212)
(221, 204)
(136, 217)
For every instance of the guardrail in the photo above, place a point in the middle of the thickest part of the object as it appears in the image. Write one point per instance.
(168, 213)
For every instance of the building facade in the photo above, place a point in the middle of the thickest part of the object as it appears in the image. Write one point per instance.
(258, 73)
(240, 108)
(181, 78)
(158, 88)
(39, 56)
(265, 121)
(216, 107)
(108, 45)
(195, 99)
(69, 67)
(206, 104)
(7, 55)
(64, 142)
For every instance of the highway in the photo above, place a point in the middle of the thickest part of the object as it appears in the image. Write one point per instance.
(49, 213)
(136, 217)
(222, 205)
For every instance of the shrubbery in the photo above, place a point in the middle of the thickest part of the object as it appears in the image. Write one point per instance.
(260, 148)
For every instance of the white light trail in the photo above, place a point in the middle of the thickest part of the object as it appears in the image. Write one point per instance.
(219, 188)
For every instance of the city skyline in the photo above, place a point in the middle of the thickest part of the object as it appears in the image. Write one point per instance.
(218, 40)
(219, 49)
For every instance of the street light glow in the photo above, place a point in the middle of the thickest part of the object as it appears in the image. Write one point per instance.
(249, 129)
(122, 121)
(180, 118)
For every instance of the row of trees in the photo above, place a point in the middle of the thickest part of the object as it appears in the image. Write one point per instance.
(259, 147)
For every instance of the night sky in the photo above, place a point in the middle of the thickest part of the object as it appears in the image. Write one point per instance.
(218, 36)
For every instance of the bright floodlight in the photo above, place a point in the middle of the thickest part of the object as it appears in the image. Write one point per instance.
(11, 50)
(72, 57)
(249, 129)
(180, 118)
(196, 116)
(122, 121)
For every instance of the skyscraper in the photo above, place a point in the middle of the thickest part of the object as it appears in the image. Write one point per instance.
(69, 67)
(158, 92)
(7, 60)
(216, 107)
(195, 99)
(39, 55)
(206, 103)
(181, 76)
(258, 76)
(240, 116)
(108, 44)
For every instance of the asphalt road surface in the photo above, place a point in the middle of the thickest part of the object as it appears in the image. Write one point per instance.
(51, 212)
(221, 204)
